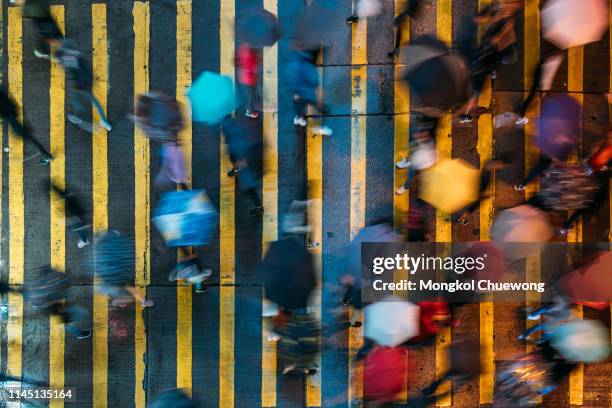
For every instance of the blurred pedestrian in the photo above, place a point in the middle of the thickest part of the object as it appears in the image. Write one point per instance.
(46, 291)
(409, 10)
(74, 214)
(80, 96)
(364, 9)
(423, 153)
(39, 12)
(8, 110)
(189, 269)
(172, 172)
(159, 116)
(303, 83)
(299, 342)
(247, 64)
(175, 398)
(242, 140)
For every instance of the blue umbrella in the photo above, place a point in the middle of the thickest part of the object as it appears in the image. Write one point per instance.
(212, 98)
(185, 218)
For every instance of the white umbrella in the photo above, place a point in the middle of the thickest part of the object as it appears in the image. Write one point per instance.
(582, 340)
(391, 321)
(569, 23)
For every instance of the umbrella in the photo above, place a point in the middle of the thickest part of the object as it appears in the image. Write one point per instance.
(391, 321)
(259, 29)
(173, 399)
(299, 340)
(46, 288)
(590, 283)
(185, 218)
(212, 97)
(317, 26)
(158, 115)
(512, 229)
(495, 266)
(567, 187)
(374, 233)
(559, 125)
(288, 273)
(569, 23)
(450, 185)
(581, 340)
(113, 259)
(437, 78)
(384, 373)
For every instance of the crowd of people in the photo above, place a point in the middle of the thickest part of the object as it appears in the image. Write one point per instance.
(441, 81)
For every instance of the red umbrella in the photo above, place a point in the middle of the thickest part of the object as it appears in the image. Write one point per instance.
(590, 283)
(384, 373)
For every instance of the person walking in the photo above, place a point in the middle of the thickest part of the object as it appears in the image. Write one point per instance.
(8, 110)
(74, 214)
(39, 12)
(410, 9)
(247, 62)
(81, 97)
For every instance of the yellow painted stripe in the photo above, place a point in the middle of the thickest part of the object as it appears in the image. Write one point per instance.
(16, 197)
(227, 228)
(57, 232)
(314, 174)
(575, 71)
(401, 128)
(359, 75)
(269, 195)
(183, 291)
(531, 60)
(485, 151)
(142, 204)
(444, 144)
(100, 202)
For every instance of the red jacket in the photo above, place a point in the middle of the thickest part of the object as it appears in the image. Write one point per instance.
(247, 61)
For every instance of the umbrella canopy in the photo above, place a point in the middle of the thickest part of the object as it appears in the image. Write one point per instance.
(437, 78)
(113, 258)
(46, 288)
(173, 399)
(582, 340)
(316, 27)
(384, 373)
(158, 115)
(559, 125)
(495, 265)
(567, 187)
(514, 228)
(185, 218)
(288, 273)
(374, 233)
(259, 29)
(212, 97)
(391, 321)
(450, 185)
(592, 282)
(299, 340)
(569, 23)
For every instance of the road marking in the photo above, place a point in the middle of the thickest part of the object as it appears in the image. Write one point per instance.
(444, 144)
(269, 196)
(359, 88)
(57, 232)
(183, 291)
(100, 201)
(575, 72)
(16, 198)
(142, 203)
(227, 228)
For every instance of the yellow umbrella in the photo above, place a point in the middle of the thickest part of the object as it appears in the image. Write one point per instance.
(450, 185)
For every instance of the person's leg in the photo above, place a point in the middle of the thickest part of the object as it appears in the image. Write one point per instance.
(353, 18)
(79, 101)
(299, 107)
(132, 290)
(368, 345)
(538, 169)
(98, 107)
(22, 131)
(537, 76)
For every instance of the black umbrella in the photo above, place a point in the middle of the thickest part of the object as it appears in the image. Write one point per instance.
(437, 78)
(46, 288)
(318, 24)
(113, 258)
(173, 399)
(288, 274)
(259, 29)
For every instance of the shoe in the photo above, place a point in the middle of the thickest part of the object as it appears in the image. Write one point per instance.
(147, 303)
(232, 172)
(252, 114)
(393, 54)
(106, 125)
(323, 130)
(522, 121)
(75, 120)
(257, 211)
(461, 221)
(520, 187)
(84, 334)
(46, 160)
(466, 118)
(199, 288)
(352, 19)
(273, 337)
(401, 190)
(40, 54)
(299, 121)
(356, 324)
(82, 243)
(403, 164)
(493, 75)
